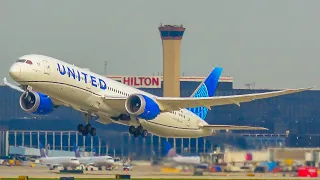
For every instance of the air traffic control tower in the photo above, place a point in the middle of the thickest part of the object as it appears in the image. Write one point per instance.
(171, 39)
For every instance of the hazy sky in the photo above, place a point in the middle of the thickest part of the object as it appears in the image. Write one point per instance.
(274, 43)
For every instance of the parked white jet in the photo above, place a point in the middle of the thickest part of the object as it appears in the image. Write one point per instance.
(56, 83)
(96, 161)
(54, 162)
(183, 160)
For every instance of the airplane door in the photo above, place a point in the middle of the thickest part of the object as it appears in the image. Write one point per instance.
(46, 66)
(188, 121)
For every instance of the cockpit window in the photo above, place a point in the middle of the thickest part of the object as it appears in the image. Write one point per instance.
(21, 60)
(29, 62)
(74, 159)
(24, 61)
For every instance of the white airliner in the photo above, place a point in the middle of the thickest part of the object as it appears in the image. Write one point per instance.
(56, 83)
(183, 160)
(54, 162)
(96, 161)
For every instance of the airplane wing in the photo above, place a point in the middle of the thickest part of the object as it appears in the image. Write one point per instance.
(104, 120)
(117, 103)
(18, 88)
(168, 104)
(231, 127)
(12, 85)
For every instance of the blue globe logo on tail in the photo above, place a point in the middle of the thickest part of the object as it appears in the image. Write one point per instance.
(206, 89)
(201, 111)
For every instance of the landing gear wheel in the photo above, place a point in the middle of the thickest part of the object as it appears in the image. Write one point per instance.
(93, 131)
(136, 133)
(88, 127)
(84, 132)
(80, 127)
(132, 129)
(144, 133)
(139, 129)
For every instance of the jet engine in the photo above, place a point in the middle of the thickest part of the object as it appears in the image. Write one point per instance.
(52, 167)
(36, 103)
(142, 106)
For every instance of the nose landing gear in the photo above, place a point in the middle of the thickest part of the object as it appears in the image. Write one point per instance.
(136, 131)
(87, 129)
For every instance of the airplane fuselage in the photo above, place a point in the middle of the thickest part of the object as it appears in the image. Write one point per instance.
(60, 161)
(97, 161)
(187, 159)
(84, 90)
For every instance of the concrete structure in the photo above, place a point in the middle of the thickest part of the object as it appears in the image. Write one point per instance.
(60, 143)
(299, 154)
(171, 40)
(4, 143)
(26, 151)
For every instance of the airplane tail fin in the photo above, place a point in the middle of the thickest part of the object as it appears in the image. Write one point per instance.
(170, 152)
(76, 150)
(206, 89)
(42, 150)
(94, 152)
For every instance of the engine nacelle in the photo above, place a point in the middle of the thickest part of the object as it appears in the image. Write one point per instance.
(52, 167)
(36, 103)
(142, 106)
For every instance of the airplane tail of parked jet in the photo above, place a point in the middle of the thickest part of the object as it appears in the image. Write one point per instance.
(206, 89)
(43, 151)
(169, 151)
(183, 160)
(76, 151)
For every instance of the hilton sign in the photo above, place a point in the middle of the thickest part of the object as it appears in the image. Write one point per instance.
(139, 81)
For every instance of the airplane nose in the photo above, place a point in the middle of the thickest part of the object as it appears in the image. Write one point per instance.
(15, 71)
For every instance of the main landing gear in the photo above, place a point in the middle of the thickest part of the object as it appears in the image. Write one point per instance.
(87, 129)
(136, 131)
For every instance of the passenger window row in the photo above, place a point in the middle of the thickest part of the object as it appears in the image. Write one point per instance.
(117, 91)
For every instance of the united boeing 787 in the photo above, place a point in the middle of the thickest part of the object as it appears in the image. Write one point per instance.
(47, 83)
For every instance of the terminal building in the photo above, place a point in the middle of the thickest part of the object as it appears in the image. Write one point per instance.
(292, 120)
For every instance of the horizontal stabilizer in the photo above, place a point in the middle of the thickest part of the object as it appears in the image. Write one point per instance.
(231, 127)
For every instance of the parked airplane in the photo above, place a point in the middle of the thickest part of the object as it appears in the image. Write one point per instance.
(183, 160)
(47, 83)
(54, 162)
(96, 161)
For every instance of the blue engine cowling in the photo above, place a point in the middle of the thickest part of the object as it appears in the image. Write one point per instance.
(36, 103)
(142, 106)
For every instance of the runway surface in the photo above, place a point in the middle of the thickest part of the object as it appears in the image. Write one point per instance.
(138, 172)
